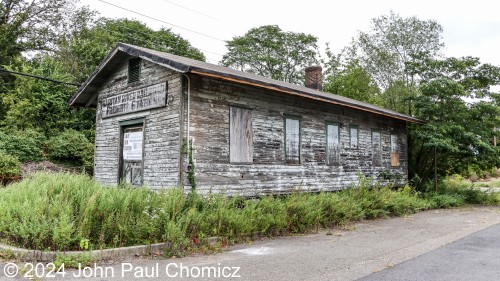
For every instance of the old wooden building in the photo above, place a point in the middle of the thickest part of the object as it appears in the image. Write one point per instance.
(165, 120)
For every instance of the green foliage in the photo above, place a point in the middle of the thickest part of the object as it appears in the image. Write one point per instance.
(28, 26)
(42, 105)
(26, 145)
(393, 42)
(455, 191)
(73, 261)
(72, 147)
(398, 97)
(460, 131)
(352, 82)
(457, 186)
(72, 212)
(270, 52)
(92, 39)
(9, 165)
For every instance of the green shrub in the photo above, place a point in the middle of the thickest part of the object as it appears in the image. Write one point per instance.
(441, 201)
(71, 147)
(9, 165)
(457, 186)
(25, 145)
(455, 191)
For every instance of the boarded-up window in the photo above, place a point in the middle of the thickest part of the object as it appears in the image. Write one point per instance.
(376, 149)
(354, 135)
(134, 70)
(292, 140)
(241, 135)
(332, 144)
(394, 151)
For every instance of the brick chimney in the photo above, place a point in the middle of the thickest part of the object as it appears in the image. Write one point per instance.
(314, 78)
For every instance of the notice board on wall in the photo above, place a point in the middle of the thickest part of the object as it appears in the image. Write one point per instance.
(132, 146)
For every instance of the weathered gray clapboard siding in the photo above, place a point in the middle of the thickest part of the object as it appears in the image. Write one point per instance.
(161, 133)
(209, 128)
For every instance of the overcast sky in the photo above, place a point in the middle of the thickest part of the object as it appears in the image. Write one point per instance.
(471, 28)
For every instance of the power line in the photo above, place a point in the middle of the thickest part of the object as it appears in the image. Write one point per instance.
(39, 77)
(189, 9)
(156, 40)
(149, 17)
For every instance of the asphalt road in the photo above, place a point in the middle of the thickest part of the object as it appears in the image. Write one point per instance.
(367, 247)
(475, 257)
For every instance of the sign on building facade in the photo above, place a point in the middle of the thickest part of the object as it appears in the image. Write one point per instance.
(137, 100)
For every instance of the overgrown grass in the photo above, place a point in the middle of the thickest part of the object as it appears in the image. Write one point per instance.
(65, 211)
(494, 183)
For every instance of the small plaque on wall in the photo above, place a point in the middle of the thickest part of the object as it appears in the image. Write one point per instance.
(137, 100)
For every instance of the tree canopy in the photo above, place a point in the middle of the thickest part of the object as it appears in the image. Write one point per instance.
(90, 41)
(353, 81)
(271, 52)
(460, 130)
(29, 25)
(393, 42)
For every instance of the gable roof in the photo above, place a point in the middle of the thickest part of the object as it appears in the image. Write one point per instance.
(86, 94)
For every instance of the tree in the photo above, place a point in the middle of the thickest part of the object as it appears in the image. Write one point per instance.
(268, 51)
(393, 42)
(29, 26)
(38, 104)
(460, 131)
(352, 82)
(87, 43)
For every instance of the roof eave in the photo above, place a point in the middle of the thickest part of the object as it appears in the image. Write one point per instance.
(241, 80)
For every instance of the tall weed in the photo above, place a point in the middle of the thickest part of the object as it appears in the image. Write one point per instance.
(59, 211)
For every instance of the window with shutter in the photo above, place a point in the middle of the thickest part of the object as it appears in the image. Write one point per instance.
(240, 135)
(134, 70)
(292, 140)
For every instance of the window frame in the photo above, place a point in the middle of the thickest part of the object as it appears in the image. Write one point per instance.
(251, 152)
(299, 119)
(327, 151)
(380, 163)
(397, 152)
(126, 124)
(357, 137)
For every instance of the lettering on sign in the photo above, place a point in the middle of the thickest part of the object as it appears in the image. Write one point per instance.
(149, 97)
(132, 146)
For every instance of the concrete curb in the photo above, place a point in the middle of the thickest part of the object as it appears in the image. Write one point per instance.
(106, 254)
